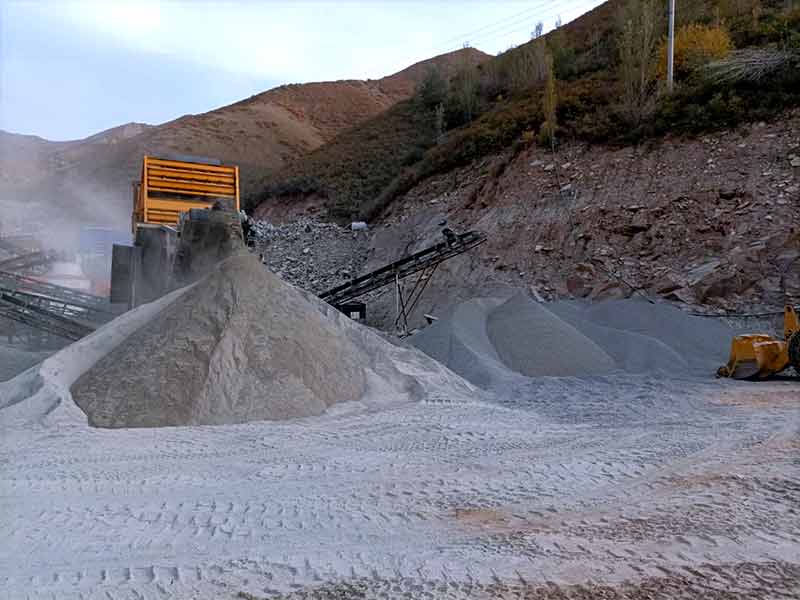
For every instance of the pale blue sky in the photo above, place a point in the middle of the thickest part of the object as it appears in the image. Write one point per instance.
(69, 69)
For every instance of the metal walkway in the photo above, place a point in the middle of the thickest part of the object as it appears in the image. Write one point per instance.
(423, 262)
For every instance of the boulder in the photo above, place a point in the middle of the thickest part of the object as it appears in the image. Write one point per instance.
(610, 290)
(666, 284)
(683, 295)
(707, 269)
(722, 282)
(577, 287)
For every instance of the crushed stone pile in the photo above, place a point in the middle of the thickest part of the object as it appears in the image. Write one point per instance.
(242, 345)
(488, 340)
(642, 336)
(553, 347)
(310, 254)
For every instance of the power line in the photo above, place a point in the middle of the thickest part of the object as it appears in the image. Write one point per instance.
(526, 27)
(553, 6)
(498, 26)
(503, 27)
(471, 33)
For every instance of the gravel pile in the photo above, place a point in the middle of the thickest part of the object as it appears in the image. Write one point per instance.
(650, 337)
(533, 341)
(310, 254)
(241, 345)
(489, 340)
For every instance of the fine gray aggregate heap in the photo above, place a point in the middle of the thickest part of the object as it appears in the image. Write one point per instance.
(533, 341)
(488, 340)
(242, 345)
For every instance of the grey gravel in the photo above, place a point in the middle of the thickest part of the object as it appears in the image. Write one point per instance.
(310, 254)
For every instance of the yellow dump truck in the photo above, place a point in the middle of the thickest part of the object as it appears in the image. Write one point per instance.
(169, 187)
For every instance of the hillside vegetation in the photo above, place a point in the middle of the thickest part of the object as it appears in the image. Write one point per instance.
(736, 60)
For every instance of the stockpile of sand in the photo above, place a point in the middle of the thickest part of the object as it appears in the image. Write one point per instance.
(242, 345)
(642, 336)
(533, 341)
(489, 340)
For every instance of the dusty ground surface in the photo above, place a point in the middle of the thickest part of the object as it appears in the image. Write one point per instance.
(611, 487)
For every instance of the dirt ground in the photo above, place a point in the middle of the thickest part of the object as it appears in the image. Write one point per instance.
(609, 487)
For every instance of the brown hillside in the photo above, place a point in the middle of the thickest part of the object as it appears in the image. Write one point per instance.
(499, 106)
(90, 179)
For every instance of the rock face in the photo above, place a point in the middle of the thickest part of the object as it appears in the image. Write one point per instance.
(711, 222)
(311, 254)
(239, 345)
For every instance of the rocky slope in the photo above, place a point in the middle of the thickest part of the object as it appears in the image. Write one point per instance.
(713, 221)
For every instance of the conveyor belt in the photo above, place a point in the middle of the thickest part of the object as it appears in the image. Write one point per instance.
(25, 261)
(15, 282)
(55, 309)
(404, 267)
(13, 307)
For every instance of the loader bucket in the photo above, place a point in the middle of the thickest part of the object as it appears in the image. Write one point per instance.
(749, 356)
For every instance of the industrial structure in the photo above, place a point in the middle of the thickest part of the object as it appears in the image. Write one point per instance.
(168, 188)
(423, 264)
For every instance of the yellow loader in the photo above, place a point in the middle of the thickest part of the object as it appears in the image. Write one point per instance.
(758, 356)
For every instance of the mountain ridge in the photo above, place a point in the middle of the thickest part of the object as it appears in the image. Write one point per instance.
(89, 179)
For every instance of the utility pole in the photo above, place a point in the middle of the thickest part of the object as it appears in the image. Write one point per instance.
(671, 48)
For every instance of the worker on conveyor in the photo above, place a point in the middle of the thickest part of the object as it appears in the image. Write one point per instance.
(450, 236)
(246, 228)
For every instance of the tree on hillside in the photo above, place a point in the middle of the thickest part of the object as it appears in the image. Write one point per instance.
(433, 88)
(466, 90)
(695, 46)
(547, 134)
(541, 61)
(637, 42)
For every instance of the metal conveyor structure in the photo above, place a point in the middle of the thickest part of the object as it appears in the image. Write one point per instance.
(423, 262)
(55, 309)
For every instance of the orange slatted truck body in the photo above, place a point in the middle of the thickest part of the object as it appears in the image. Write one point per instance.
(170, 187)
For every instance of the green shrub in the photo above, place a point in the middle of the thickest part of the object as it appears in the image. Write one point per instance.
(433, 89)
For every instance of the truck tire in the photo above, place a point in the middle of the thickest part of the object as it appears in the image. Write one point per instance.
(794, 351)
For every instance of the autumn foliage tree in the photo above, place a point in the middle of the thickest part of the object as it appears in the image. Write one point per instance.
(636, 47)
(695, 46)
(547, 133)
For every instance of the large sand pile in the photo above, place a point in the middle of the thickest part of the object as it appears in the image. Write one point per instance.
(489, 340)
(533, 341)
(641, 336)
(242, 345)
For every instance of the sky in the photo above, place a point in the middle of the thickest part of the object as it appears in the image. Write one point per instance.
(70, 69)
